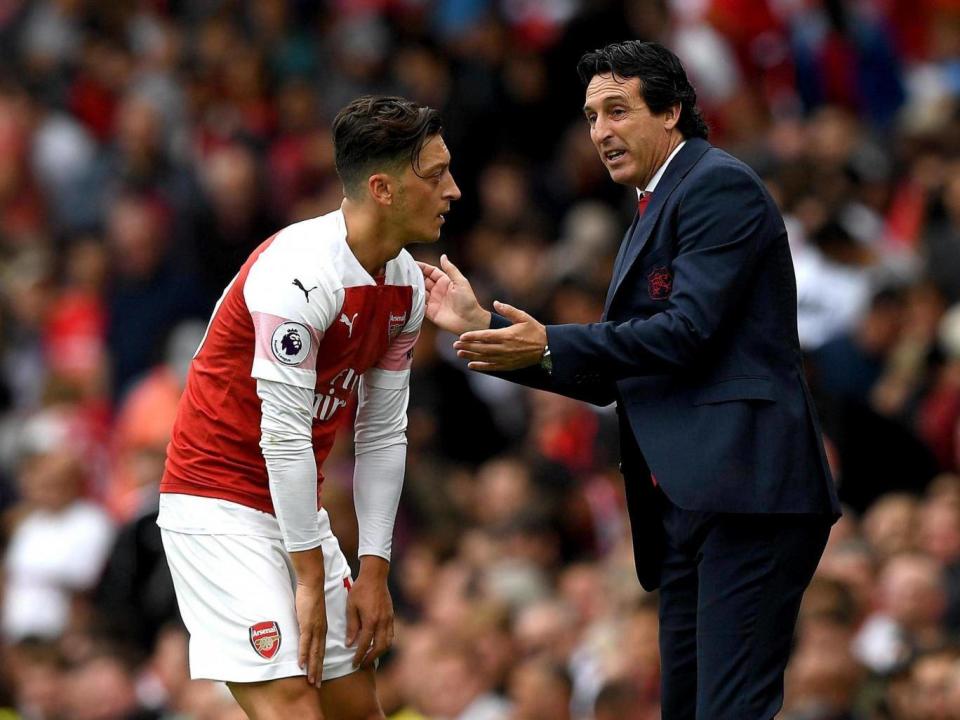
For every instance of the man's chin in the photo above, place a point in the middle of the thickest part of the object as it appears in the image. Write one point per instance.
(621, 176)
(426, 239)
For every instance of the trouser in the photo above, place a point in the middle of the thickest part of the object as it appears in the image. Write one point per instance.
(730, 591)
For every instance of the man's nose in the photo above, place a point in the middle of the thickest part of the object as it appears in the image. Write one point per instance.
(600, 131)
(453, 192)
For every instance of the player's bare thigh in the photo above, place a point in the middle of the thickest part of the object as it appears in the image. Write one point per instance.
(350, 697)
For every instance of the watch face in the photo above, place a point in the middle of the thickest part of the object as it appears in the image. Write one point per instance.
(546, 361)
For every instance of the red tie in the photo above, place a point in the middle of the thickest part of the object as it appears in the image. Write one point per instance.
(643, 202)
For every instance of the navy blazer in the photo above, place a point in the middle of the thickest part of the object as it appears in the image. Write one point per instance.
(698, 346)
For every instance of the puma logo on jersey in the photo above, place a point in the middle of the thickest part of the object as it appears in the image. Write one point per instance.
(348, 322)
(306, 293)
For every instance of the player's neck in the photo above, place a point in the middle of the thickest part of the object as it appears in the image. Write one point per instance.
(367, 240)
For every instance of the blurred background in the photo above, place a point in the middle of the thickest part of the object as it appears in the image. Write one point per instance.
(147, 146)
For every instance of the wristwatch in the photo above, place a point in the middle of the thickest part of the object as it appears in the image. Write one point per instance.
(546, 362)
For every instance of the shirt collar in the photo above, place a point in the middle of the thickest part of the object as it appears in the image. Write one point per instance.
(652, 185)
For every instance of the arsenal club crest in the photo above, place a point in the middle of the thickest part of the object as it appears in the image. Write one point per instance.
(396, 324)
(660, 283)
(265, 638)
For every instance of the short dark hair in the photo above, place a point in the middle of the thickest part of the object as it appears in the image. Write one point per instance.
(663, 81)
(372, 132)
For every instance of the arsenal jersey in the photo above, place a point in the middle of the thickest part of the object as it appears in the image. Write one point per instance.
(301, 311)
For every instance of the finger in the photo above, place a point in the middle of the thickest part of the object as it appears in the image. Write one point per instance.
(382, 640)
(428, 279)
(477, 356)
(431, 272)
(303, 652)
(318, 663)
(450, 269)
(363, 644)
(483, 366)
(374, 651)
(425, 267)
(511, 313)
(483, 336)
(488, 349)
(315, 663)
(353, 623)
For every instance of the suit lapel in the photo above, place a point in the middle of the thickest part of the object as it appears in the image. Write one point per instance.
(636, 238)
(618, 263)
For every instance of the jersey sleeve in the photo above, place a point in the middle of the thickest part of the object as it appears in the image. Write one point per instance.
(290, 309)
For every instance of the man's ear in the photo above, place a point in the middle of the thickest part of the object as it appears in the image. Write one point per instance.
(672, 116)
(381, 188)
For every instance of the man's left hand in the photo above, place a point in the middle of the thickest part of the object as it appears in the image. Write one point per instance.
(370, 612)
(518, 346)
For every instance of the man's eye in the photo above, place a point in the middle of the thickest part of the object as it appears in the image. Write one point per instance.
(591, 119)
(616, 112)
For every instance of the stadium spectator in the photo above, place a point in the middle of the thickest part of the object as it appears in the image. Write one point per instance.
(540, 690)
(102, 686)
(455, 690)
(149, 293)
(929, 684)
(911, 600)
(37, 673)
(890, 525)
(58, 540)
(619, 700)
(849, 367)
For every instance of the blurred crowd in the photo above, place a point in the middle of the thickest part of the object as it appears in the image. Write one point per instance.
(146, 147)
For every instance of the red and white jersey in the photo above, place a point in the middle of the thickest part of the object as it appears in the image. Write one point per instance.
(301, 311)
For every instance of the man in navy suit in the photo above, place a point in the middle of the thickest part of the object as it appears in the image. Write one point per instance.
(727, 484)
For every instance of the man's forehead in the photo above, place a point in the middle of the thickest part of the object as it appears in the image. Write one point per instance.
(434, 151)
(609, 85)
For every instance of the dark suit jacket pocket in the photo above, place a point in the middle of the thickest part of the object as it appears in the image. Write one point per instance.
(740, 388)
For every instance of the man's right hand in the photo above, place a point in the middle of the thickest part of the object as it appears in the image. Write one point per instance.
(451, 303)
(311, 612)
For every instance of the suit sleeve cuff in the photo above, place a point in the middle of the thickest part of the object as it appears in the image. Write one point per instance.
(498, 322)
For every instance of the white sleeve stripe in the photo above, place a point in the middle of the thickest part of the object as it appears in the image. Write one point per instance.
(400, 353)
(387, 379)
(266, 370)
(381, 417)
(266, 326)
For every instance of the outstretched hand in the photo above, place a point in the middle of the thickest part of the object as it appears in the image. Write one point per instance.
(511, 348)
(451, 303)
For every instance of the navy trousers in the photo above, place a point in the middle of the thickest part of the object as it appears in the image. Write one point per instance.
(730, 591)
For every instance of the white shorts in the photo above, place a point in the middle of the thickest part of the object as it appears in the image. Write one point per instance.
(236, 597)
